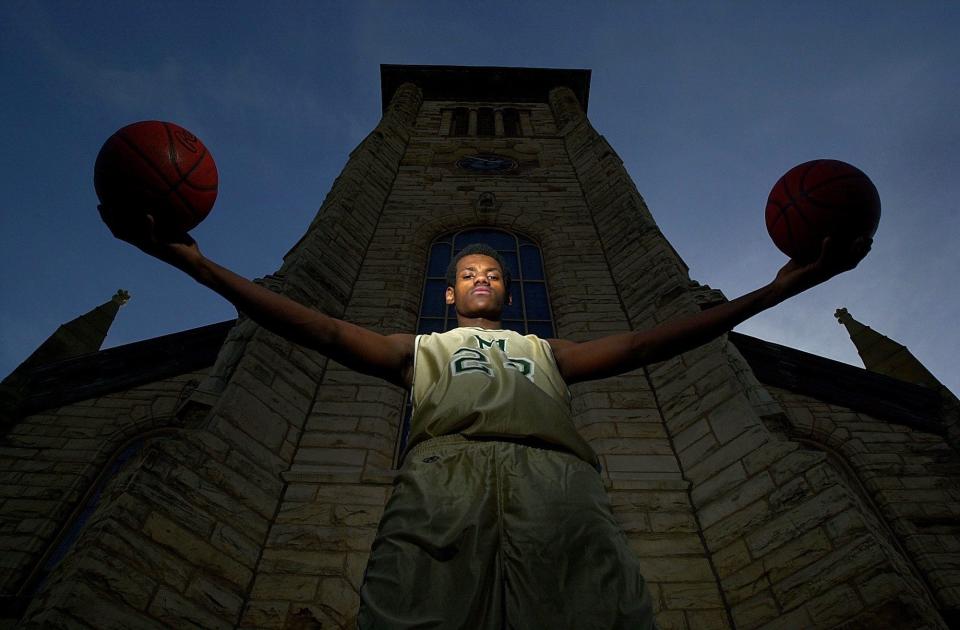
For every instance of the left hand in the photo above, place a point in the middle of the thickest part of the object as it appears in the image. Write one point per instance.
(835, 258)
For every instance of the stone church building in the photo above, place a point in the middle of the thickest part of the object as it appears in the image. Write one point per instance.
(222, 477)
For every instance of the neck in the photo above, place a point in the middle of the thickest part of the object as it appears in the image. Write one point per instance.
(478, 322)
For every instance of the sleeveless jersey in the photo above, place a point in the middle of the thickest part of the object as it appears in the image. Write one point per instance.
(492, 384)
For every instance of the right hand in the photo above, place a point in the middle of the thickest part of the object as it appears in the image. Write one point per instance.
(140, 230)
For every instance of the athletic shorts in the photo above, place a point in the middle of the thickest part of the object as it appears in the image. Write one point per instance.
(491, 534)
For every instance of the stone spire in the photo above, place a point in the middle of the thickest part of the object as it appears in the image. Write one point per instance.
(82, 335)
(884, 355)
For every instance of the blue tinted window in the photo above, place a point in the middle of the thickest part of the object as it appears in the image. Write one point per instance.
(439, 257)
(529, 312)
(512, 265)
(515, 325)
(532, 269)
(515, 309)
(434, 303)
(536, 300)
(501, 241)
(544, 330)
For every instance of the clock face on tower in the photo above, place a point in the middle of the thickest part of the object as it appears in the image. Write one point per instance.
(486, 163)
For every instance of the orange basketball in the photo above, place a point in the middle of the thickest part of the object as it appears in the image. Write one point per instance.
(158, 168)
(818, 199)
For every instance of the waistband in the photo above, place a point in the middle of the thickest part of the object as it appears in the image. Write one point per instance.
(458, 438)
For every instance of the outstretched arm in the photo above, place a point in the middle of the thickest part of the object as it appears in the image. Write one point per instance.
(616, 354)
(386, 356)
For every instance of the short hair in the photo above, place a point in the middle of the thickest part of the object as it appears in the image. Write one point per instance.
(483, 250)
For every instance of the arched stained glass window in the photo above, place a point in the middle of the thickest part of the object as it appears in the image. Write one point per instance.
(461, 122)
(530, 311)
(528, 314)
(511, 122)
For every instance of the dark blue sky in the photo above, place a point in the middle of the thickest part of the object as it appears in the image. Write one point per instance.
(707, 104)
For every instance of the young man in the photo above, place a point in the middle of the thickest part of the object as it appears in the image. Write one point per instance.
(498, 517)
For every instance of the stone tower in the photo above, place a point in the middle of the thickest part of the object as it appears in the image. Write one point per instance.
(223, 477)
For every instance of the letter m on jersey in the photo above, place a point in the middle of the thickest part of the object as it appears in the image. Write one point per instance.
(489, 343)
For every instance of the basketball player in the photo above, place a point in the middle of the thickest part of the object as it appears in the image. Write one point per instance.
(498, 516)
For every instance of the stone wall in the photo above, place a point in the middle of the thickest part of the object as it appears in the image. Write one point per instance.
(50, 461)
(907, 484)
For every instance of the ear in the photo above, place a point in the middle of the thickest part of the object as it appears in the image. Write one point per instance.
(449, 298)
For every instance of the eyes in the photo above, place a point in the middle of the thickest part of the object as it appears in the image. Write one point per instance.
(470, 275)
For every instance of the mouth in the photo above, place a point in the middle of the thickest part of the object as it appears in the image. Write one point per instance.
(482, 291)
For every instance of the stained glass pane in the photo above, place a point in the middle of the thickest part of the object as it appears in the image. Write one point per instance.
(430, 325)
(536, 295)
(515, 310)
(494, 238)
(514, 324)
(544, 330)
(439, 259)
(532, 268)
(433, 298)
(512, 265)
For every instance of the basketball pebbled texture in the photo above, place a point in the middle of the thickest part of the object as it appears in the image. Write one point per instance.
(160, 168)
(818, 199)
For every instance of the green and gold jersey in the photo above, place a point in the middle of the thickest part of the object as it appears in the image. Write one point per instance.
(491, 384)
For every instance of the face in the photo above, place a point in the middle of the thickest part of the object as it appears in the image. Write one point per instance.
(479, 291)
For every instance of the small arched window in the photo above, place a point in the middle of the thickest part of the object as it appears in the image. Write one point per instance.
(511, 123)
(485, 122)
(461, 122)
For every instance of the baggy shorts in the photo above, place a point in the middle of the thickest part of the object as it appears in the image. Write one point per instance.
(491, 534)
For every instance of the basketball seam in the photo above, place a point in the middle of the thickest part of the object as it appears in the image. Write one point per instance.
(143, 156)
(175, 188)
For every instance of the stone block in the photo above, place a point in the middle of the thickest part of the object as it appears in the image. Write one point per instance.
(671, 620)
(727, 454)
(321, 538)
(708, 619)
(839, 566)
(340, 595)
(731, 558)
(732, 418)
(303, 561)
(796, 554)
(676, 569)
(112, 574)
(642, 463)
(736, 499)
(265, 615)
(663, 545)
(691, 595)
(301, 513)
(722, 482)
(176, 611)
(797, 521)
(224, 601)
(183, 543)
(725, 531)
(352, 457)
(670, 522)
(298, 588)
(147, 558)
(834, 607)
(745, 583)
(236, 544)
(756, 611)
